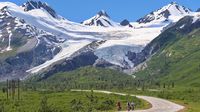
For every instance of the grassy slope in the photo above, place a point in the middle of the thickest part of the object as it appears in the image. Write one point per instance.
(177, 62)
(30, 101)
(54, 87)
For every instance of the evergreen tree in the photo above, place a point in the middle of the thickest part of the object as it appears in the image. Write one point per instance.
(2, 108)
(173, 84)
(164, 85)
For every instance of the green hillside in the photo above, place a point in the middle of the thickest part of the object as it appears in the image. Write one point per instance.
(52, 93)
(177, 62)
(174, 70)
(40, 101)
(84, 78)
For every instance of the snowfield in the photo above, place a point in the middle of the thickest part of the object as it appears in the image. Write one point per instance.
(115, 50)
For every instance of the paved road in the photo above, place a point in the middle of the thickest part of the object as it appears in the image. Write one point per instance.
(158, 104)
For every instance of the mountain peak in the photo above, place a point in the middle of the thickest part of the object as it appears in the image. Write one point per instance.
(103, 13)
(100, 19)
(198, 10)
(172, 3)
(125, 22)
(31, 5)
(172, 11)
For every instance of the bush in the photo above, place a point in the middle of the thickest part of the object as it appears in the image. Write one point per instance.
(2, 108)
(44, 107)
(106, 105)
(76, 105)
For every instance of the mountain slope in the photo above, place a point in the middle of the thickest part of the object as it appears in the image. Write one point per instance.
(68, 45)
(24, 33)
(123, 39)
(22, 46)
(177, 54)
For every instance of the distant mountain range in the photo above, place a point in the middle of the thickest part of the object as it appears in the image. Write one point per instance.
(34, 39)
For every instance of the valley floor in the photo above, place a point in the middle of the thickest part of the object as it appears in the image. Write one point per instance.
(158, 105)
(67, 101)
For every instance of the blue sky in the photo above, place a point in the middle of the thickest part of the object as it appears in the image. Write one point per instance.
(80, 10)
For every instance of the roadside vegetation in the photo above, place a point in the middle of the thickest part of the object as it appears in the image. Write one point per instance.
(53, 94)
(66, 101)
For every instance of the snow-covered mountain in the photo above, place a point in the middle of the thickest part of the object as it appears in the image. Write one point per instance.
(101, 19)
(22, 45)
(35, 39)
(171, 12)
(125, 22)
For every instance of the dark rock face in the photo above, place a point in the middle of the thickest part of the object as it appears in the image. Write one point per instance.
(151, 17)
(99, 23)
(131, 55)
(102, 63)
(84, 59)
(147, 18)
(125, 23)
(137, 58)
(30, 5)
(198, 10)
(165, 13)
(16, 66)
(89, 24)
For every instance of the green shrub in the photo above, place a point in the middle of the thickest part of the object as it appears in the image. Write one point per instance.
(106, 105)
